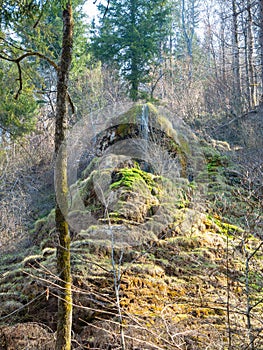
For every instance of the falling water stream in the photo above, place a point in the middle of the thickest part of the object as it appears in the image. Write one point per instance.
(144, 122)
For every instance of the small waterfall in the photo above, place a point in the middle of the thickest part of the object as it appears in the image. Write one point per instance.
(144, 123)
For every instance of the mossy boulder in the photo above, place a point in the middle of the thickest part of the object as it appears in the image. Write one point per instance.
(159, 131)
(184, 270)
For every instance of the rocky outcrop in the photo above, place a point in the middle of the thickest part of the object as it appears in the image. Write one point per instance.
(174, 255)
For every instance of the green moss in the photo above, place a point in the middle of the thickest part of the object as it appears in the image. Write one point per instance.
(129, 176)
(215, 162)
(48, 251)
(85, 193)
(85, 186)
(145, 269)
(188, 243)
(31, 259)
(45, 224)
(226, 228)
(131, 115)
(40, 223)
(10, 259)
(92, 166)
(114, 215)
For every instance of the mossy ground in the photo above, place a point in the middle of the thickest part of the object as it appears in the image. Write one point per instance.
(186, 284)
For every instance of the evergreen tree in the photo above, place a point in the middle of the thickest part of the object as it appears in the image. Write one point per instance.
(16, 116)
(30, 48)
(131, 35)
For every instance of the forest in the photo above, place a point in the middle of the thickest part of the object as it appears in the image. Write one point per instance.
(131, 174)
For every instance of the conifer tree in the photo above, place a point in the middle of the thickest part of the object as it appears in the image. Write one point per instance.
(131, 35)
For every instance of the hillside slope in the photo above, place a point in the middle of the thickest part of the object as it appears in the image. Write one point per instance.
(166, 250)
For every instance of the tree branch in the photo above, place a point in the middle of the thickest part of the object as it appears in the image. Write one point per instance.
(73, 108)
(38, 54)
(107, 7)
(20, 59)
(31, 54)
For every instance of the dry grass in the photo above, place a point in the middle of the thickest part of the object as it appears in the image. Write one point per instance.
(24, 169)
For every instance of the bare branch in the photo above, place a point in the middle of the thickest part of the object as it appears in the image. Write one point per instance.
(38, 54)
(21, 58)
(73, 107)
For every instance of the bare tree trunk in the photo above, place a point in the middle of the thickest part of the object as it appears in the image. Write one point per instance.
(251, 65)
(209, 39)
(64, 320)
(261, 43)
(222, 40)
(223, 47)
(188, 30)
(236, 60)
(245, 31)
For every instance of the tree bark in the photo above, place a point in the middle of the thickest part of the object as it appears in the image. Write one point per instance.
(261, 43)
(236, 60)
(251, 68)
(134, 56)
(245, 30)
(64, 317)
(188, 26)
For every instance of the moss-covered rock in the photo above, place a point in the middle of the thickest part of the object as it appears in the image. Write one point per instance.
(158, 131)
(184, 264)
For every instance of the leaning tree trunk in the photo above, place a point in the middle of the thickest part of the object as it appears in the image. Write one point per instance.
(64, 317)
